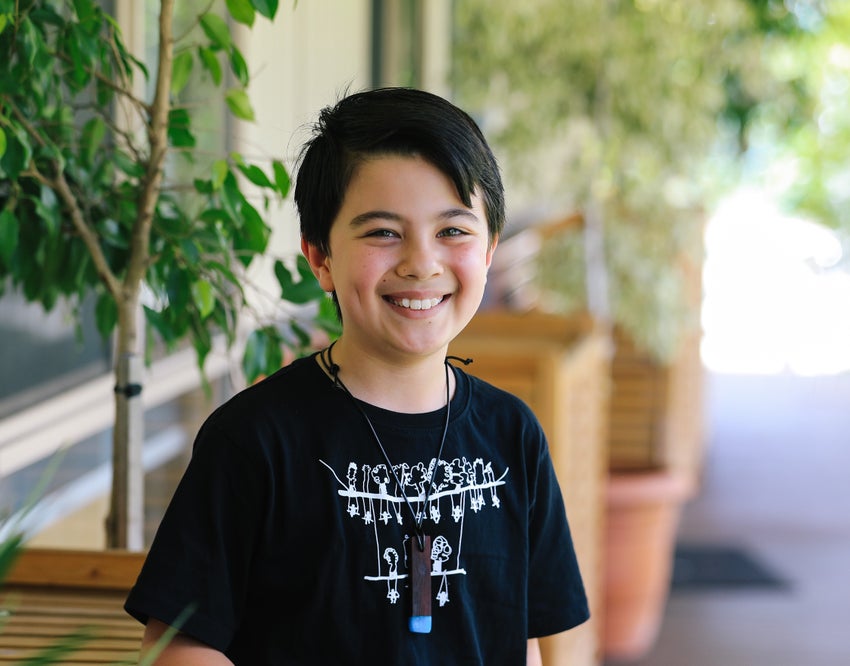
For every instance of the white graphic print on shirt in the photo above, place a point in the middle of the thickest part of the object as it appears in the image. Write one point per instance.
(371, 495)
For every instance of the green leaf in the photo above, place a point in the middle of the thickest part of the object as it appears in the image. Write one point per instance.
(239, 66)
(232, 198)
(85, 10)
(92, 137)
(328, 317)
(104, 93)
(154, 652)
(228, 275)
(267, 8)
(202, 342)
(209, 59)
(202, 296)
(239, 104)
(181, 70)
(307, 288)
(158, 322)
(211, 216)
(242, 11)
(10, 548)
(16, 157)
(179, 291)
(3, 21)
(113, 234)
(127, 164)
(302, 335)
(281, 178)
(9, 230)
(263, 354)
(2, 137)
(29, 40)
(106, 315)
(216, 30)
(203, 186)
(219, 171)
(255, 174)
(190, 250)
(253, 236)
(179, 132)
(65, 646)
(47, 208)
(82, 51)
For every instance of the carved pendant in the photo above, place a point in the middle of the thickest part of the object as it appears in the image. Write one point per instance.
(420, 585)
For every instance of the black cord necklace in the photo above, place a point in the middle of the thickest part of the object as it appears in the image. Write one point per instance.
(420, 555)
(333, 371)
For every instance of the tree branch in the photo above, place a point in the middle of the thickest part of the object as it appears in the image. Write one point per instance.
(59, 184)
(122, 89)
(158, 140)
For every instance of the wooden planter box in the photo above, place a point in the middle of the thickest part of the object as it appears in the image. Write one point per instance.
(560, 368)
(51, 593)
(656, 410)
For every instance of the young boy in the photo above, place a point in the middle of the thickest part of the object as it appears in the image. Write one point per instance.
(373, 503)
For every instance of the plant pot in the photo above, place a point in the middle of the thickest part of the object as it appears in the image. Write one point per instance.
(643, 509)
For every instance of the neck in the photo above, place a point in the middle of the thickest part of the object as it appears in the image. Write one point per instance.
(413, 387)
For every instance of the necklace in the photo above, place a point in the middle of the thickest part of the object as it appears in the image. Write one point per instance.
(420, 555)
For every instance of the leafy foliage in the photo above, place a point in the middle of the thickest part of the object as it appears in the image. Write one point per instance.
(813, 151)
(86, 200)
(625, 107)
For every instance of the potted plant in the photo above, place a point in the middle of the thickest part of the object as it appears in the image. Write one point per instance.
(105, 188)
(624, 114)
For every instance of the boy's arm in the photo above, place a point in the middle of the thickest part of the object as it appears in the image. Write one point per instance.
(182, 650)
(534, 657)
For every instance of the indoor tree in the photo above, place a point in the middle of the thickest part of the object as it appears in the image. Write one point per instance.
(103, 189)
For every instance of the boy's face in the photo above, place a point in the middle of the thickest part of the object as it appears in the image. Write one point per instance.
(408, 260)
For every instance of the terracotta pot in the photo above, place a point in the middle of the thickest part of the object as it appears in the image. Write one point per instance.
(643, 509)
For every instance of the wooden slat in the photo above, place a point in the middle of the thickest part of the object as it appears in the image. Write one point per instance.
(24, 626)
(113, 569)
(52, 594)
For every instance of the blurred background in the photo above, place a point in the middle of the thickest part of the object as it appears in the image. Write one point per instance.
(678, 187)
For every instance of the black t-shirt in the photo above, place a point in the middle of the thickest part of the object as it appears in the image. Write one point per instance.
(287, 535)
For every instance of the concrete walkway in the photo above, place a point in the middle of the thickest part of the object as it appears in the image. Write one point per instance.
(777, 483)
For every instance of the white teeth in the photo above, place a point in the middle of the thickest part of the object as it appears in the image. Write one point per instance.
(416, 304)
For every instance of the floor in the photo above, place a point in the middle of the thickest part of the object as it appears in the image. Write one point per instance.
(775, 484)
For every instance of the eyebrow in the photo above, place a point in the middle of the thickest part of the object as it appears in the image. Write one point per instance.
(451, 213)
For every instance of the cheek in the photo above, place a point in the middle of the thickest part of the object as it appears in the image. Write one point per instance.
(363, 272)
(472, 265)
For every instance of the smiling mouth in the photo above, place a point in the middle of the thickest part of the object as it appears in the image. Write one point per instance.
(415, 303)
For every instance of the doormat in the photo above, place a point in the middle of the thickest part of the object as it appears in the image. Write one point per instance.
(712, 567)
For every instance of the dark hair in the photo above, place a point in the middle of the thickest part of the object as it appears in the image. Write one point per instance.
(392, 121)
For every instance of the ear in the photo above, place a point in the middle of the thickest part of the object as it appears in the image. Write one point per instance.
(490, 250)
(320, 264)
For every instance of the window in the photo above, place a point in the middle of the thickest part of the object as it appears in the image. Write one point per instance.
(397, 43)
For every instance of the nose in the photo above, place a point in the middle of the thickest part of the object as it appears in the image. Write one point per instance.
(420, 260)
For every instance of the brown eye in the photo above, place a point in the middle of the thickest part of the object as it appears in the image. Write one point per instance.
(382, 233)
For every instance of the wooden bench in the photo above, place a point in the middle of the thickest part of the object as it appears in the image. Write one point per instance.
(50, 594)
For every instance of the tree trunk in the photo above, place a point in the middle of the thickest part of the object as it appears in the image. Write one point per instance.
(126, 521)
(125, 525)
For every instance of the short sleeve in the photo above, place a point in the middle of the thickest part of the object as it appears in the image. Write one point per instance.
(200, 557)
(557, 599)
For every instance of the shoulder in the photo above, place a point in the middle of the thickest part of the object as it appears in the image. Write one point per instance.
(491, 409)
(484, 395)
(295, 390)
